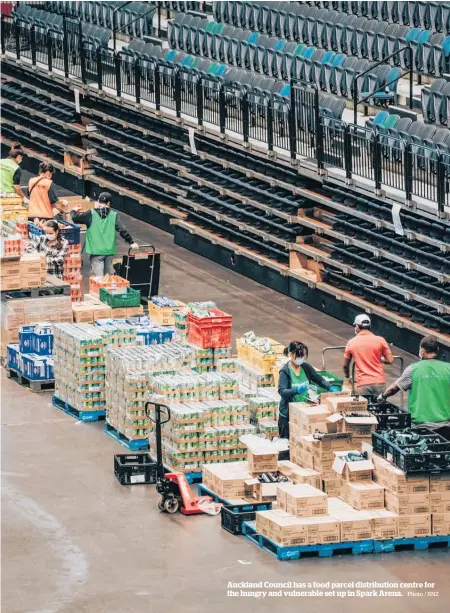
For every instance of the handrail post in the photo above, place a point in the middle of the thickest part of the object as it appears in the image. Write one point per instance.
(118, 75)
(66, 49)
(348, 160)
(137, 80)
(177, 93)
(17, 39)
(99, 69)
(49, 52)
(318, 132)
(411, 80)
(377, 161)
(83, 62)
(199, 92)
(222, 108)
(157, 88)
(33, 44)
(408, 169)
(270, 120)
(293, 125)
(3, 34)
(245, 117)
(440, 178)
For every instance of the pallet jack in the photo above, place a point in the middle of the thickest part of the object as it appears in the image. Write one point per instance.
(173, 487)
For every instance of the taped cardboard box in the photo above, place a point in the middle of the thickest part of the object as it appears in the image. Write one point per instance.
(306, 501)
(396, 481)
(282, 491)
(298, 474)
(408, 504)
(352, 471)
(287, 530)
(358, 424)
(264, 519)
(326, 445)
(439, 506)
(260, 492)
(354, 525)
(440, 523)
(440, 482)
(418, 524)
(345, 404)
(306, 419)
(332, 487)
(83, 312)
(384, 524)
(363, 496)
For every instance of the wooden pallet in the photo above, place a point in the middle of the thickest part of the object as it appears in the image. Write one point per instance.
(37, 386)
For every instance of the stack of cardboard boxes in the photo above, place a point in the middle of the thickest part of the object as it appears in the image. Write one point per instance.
(92, 309)
(28, 311)
(27, 271)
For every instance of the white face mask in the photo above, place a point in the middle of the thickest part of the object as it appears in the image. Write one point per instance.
(299, 361)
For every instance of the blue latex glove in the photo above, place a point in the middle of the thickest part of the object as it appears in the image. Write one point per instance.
(301, 388)
(334, 388)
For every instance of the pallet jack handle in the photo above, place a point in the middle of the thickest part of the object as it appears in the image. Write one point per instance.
(152, 250)
(161, 416)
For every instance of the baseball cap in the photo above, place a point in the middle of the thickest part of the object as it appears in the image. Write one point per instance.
(362, 320)
(104, 197)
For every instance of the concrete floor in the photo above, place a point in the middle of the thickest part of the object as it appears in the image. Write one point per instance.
(75, 541)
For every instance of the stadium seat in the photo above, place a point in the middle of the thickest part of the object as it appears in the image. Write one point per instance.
(431, 103)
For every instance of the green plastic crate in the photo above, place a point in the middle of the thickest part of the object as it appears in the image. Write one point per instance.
(127, 297)
(339, 381)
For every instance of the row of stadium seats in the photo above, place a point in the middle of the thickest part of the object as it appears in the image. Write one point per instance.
(279, 17)
(334, 31)
(135, 18)
(31, 100)
(436, 102)
(45, 21)
(424, 138)
(330, 72)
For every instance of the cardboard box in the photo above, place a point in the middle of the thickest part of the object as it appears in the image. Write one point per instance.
(260, 492)
(82, 313)
(332, 487)
(439, 506)
(306, 501)
(384, 524)
(306, 419)
(287, 530)
(345, 404)
(363, 496)
(10, 268)
(440, 483)
(135, 311)
(325, 446)
(299, 475)
(360, 424)
(352, 471)
(440, 523)
(396, 481)
(119, 313)
(282, 491)
(321, 530)
(418, 524)
(11, 283)
(408, 504)
(101, 311)
(353, 525)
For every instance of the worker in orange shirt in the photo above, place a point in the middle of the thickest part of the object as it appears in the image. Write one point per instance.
(369, 352)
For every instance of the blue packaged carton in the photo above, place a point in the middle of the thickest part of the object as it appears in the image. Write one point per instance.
(26, 339)
(12, 356)
(43, 339)
(34, 367)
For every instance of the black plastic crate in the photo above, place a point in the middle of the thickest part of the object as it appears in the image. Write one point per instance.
(437, 458)
(234, 515)
(135, 469)
(390, 416)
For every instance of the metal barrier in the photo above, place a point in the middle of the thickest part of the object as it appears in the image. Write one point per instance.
(327, 349)
(294, 124)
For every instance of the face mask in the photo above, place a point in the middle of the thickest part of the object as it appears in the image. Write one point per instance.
(51, 237)
(103, 211)
(299, 361)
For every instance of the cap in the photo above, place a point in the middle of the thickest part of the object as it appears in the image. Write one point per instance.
(362, 320)
(104, 197)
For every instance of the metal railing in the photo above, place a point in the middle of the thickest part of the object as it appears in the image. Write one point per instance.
(294, 123)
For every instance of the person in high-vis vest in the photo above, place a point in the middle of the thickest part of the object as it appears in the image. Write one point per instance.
(428, 384)
(102, 224)
(10, 174)
(42, 195)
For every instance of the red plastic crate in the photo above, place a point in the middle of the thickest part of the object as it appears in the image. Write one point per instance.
(210, 332)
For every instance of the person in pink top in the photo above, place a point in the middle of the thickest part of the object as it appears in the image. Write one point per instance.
(369, 352)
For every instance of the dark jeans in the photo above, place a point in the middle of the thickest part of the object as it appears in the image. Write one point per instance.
(283, 431)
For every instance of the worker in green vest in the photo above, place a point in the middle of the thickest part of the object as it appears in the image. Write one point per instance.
(102, 224)
(428, 383)
(10, 174)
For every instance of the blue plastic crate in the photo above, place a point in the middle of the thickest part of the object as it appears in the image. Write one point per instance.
(12, 356)
(70, 231)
